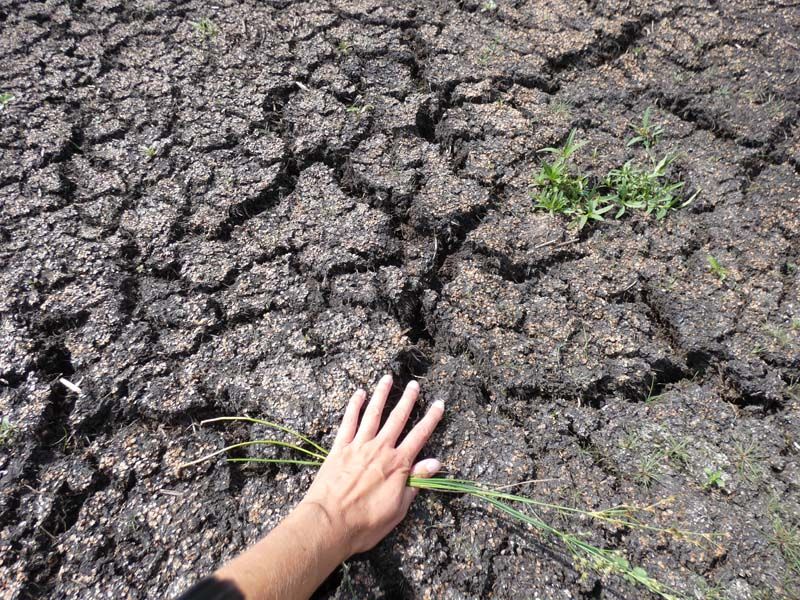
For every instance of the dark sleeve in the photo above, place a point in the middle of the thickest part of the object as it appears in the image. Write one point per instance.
(212, 589)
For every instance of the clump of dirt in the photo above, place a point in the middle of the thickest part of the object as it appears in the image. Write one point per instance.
(259, 216)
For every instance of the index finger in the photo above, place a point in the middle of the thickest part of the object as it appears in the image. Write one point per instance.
(422, 431)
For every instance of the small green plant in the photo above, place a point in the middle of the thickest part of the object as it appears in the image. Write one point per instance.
(647, 469)
(630, 440)
(713, 478)
(636, 188)
(559, 190)
(710, 592)
(359, 109)
(716, 268)
(560, 108)
(344, 47)
(651, 397)
(5, 98)
(205, 27)
(489, 52)
(585, 555)
(7, 431)
(676, 450)
(591, 210)
(149, 152)
(793, 388)
(647, 133)
(780, 335)
(489, 6)
(747, 461)
(785, 536)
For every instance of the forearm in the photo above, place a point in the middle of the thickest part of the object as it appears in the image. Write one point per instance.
(292, 560)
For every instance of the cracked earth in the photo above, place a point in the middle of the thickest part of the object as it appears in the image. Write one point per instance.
(260, 220)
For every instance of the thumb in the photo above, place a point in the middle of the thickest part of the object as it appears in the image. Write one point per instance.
(424, 468)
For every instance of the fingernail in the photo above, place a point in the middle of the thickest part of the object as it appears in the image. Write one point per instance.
(386, 378)
(361, 392)
(413, 384)
(430, 466)
(438, 404)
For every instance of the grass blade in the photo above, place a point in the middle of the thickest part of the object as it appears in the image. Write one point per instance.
(279, 461)
(251, 443)
(277, 426)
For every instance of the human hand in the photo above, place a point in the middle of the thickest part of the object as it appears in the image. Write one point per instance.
(362, 485)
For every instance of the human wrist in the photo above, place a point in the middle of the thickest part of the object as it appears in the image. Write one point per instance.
(328, 527)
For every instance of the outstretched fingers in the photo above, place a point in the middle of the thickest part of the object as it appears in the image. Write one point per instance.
(399, 416)
(347, 430)
(372, 415)
(419, 435)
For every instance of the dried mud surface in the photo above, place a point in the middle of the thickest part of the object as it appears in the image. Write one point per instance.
(258, 221)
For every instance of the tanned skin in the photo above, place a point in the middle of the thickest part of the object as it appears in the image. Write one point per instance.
(358, 496)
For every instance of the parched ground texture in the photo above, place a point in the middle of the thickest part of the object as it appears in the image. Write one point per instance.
(259, 220)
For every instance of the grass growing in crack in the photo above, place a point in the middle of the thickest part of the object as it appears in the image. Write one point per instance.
(206, 28)
(586, 556)
(5, 98)
(651, 397)
(716, 268)
(633, 186)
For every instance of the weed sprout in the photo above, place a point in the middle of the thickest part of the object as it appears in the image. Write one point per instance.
(7, 431)
(631, 187)
(205, 28)
(716, 268)
(647, 133)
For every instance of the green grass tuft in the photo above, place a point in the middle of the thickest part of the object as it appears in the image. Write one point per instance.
(785, 537)
(7, 431)
(561, 190)
(206, 28)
